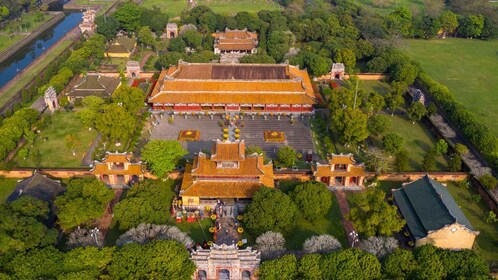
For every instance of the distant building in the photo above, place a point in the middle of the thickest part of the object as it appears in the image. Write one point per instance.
(226, 262)
(250, 88)
(50, 98)
(225, 174)
(88, 26)
(93, 84)
(241, 41)
(133, 69)
(37, 186)
(432, 215)
(418, 96)
(341, 171)
(122, 46)
(117, 170)
(338, 70)
(171, 30)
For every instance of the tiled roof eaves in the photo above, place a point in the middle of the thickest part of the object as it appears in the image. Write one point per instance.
(409, 214)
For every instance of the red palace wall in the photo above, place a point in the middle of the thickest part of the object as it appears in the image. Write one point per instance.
(232, 107)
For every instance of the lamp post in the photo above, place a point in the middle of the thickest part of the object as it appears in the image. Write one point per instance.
(354, 237)
(95, 232)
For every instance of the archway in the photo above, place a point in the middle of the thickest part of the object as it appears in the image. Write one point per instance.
(202, 275)
(224, 274)
(338, 76)
(172, 34)
(133, 75)
(246, 275)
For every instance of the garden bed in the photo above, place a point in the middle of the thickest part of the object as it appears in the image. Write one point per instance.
(189, 135)
(274, 136)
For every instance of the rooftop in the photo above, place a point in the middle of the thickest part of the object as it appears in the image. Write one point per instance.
(94, 84)
(39, 187)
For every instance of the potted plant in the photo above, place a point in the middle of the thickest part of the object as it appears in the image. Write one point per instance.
(213, 217)
(240, 218)
(212, 229)
(240, 230)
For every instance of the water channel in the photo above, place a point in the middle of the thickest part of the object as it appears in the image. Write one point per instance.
(21, 59)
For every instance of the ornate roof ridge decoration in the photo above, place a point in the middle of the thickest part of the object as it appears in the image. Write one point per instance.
(224, 251)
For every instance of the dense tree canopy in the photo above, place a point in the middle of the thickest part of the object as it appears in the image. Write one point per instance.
(162, 155)
(115, 123)
(131, 98)
(146, 202)
(372, 215)
(84, 201)
(313, 200)
(270, 210)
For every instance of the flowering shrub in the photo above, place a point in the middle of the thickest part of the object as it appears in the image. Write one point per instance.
(274, 136)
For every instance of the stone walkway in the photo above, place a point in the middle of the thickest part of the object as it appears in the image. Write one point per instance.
(87, 159)
(105, 222)
(344, 207)
(228, 231)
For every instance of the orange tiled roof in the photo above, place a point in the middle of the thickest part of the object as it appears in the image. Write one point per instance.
(117, 157)
(206, 167)
(209, 83)
(228, 151)
(341, 159)
(235, 34)
(103, 169)
(324, 171)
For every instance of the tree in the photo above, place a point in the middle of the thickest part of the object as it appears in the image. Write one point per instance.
(441, 147)
(406, 72)
(489, 181)
(321, 244)
(372, 215)
(313, 199)
(471, 26)
(373, 102)
(145, 233)
(463, 264)
(399, 264)
(310, 267)
(399, 22)
(162, 155)
(379, 246)
(72, 143)
(395, 101)
(22, 227)
(107, 26)
(461, 149)
(282, 268)
(392, 143)
(131, 98)
(85, 261)
(401, 161)
(491, 217)
(354, 129)
(177, 45)
(287, 156)
(83, 201)
(169, 259)
(35, 264)
(115, 123)
(271, 245)
(429, 262)
(347, 57)
(256, 150)
(145, 37)
(455, 163)
(129, 15)
(378, 160)
(416, 111)
(427, 27)
(170, 58)
(146, 202)
(192, 39)
(429, 163)
(350, 264)
(4, 12)
(270, 210)
(278, 44)
(378, 124)
(449, 22)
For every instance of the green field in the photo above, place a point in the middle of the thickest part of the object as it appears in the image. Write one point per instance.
(468, 68)
(174, 8)
(6, 188)
(53, 150)
(32, 71)
(415, 6)
(105, 4)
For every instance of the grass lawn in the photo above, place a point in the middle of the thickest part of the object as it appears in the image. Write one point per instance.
(377, 86)
(198, 231)
(174, 8)
(468, 68)
(105, 4)
(413, 5)
(7, 40)
(487, 240)
(53, 151)
(328, 224)
(418, 140)
(6, 188)
(32, 71)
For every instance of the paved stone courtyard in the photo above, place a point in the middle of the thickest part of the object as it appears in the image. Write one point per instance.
(298, 135)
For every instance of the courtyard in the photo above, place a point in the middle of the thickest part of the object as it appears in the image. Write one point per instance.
(297, 134)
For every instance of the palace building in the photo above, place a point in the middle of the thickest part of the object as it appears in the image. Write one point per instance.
(117, 169)
(238, 41)
(341, 171)
(432, 215)
(218, 88)
(225, 174)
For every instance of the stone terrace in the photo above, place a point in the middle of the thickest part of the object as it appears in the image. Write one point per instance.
(298, 135)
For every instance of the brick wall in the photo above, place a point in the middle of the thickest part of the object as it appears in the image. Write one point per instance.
(412, 176)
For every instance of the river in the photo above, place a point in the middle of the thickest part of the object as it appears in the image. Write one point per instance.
(21, 59)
